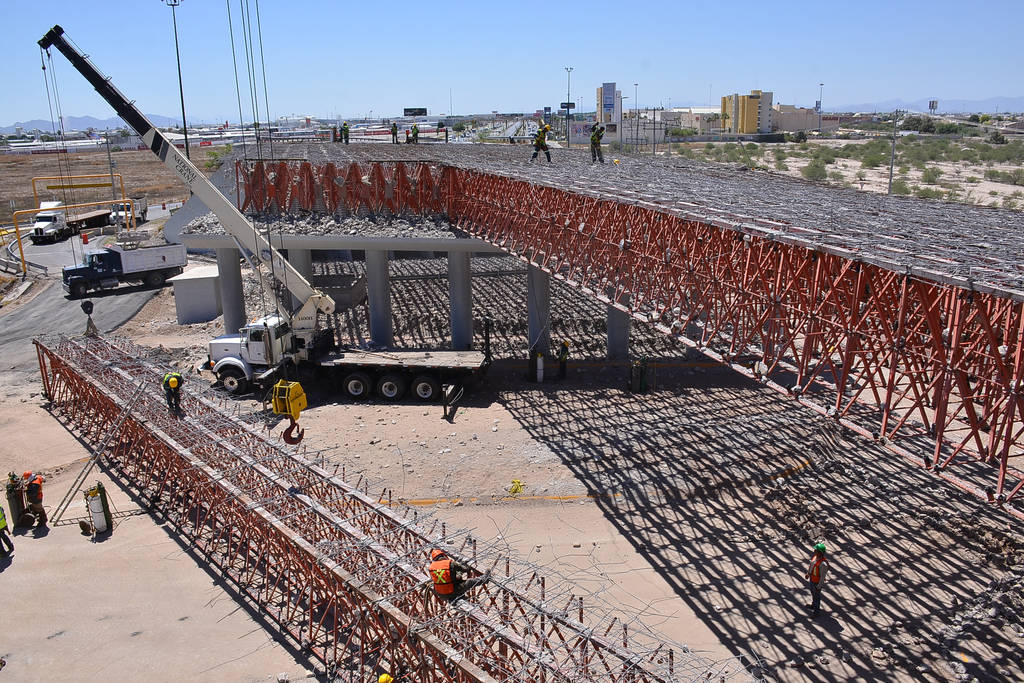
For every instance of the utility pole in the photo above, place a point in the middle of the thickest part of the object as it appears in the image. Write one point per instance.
(821, 90)
(110, 164)
(636, 115)
(181, 90)
(568, 76)
(892, 155)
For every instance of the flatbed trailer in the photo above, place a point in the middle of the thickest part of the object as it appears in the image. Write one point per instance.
(391, 374)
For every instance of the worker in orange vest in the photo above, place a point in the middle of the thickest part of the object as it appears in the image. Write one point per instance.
(448, 576)
(34, 495)
(815, 576)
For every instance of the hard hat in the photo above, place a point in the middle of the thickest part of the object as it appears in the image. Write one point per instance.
(385, 678)
(547, 127)
(173, 382)
(436, 553)
(565, 343)
(615, 161)
(820, 547)
(26, 475)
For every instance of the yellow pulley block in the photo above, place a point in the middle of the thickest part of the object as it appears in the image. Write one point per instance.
(289, 399)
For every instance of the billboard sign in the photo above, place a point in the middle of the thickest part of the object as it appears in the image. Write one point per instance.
(608, 96)
(415, 111)
(567, 105)
(933, 105)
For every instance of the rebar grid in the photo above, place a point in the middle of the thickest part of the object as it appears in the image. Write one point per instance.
(924, 352)
(337, 570)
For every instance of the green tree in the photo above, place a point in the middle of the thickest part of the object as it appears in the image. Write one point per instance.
(984, 118)
(974, 118)
(931, 175)
(996, 138)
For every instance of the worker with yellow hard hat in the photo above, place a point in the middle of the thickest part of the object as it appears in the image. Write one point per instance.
(540, 142)
(172, 391)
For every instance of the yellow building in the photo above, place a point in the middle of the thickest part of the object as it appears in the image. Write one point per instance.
(747, 113)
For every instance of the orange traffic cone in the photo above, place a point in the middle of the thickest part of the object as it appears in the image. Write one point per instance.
(85, 238)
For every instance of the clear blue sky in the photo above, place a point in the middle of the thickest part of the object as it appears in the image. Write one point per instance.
(333, 58)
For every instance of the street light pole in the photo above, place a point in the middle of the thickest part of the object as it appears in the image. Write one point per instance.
(821, 89)
(568, 76)
(892, 154)
(181, 90)
(636, 118)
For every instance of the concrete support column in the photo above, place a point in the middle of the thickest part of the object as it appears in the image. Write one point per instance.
(619, 324)
(538, 309)
(302, 261)
(378, 296)
(231, 300)
(460, 300)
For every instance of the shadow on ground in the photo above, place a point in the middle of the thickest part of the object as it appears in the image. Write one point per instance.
(724, 486)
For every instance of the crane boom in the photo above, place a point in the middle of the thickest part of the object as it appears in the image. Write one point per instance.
(236, 224)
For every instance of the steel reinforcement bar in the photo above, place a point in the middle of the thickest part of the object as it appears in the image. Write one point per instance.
(335, 569)
(932, 368)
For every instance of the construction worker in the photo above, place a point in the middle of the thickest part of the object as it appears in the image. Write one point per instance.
(394, 132)
(415, 134)
(4, 538)
(816, 572)
(407, 138)
(596, 133)
(34, 495)
(172, 390)
(449, 576)
(563, 359)
(344, 132)
(540, 142)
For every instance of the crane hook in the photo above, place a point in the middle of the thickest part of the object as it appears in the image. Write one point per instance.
(289, 435)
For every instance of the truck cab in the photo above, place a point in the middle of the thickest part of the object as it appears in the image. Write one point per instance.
(263, 344)
(100, 267)
(49, 225)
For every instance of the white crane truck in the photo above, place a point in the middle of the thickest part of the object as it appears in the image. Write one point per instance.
(275, 345)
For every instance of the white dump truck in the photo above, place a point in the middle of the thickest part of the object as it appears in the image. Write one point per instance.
(111, 266)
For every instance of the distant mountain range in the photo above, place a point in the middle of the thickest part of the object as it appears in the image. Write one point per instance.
(990, 105)
(86, 122)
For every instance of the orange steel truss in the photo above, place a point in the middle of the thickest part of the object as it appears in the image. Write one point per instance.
(337, 570)
(932, 369)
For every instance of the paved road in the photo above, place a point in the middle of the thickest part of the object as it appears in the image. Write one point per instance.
(52, 312)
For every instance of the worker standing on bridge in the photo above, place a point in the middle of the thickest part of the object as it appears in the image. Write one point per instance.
(815, 576)
(540, 142)
(449, 576)
(563, 360)
(4, 538)
(415, 134)
(596, 133)
(34, 495)
(344, 132)
(172, 391)
(394, 132)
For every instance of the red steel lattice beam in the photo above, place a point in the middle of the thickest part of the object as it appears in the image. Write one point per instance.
(933, 370)
(335, 569)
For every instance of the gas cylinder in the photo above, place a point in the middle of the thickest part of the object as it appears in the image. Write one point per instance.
(99, 509)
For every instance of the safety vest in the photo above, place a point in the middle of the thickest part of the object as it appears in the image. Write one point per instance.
(175, 375)
(441, 573)
(541, 138)
(563, 353)
(3, 520)
(344, 129)
(816, 569)
(34, 490)
(394, 128)
(596, 136)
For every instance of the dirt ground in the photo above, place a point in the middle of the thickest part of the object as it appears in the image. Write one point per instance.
(690, 509)
(143, 173)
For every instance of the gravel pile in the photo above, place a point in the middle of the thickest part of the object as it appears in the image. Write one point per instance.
(322, 224)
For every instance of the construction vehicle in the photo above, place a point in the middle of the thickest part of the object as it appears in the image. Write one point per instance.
(139, 211)
(111, 266)
(53, 225)
(291, 341)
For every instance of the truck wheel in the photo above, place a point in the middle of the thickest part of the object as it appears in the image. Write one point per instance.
(78, 290)
(233, 380)
(357, 385)
(425, 387)
(391, 386)
(154, 278)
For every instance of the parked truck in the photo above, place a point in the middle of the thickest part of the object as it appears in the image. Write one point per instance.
(52, 225)
(139, 211)
(109, 267)
(292, 340)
